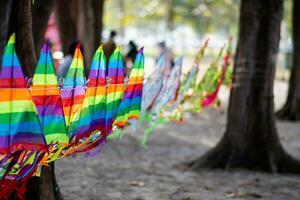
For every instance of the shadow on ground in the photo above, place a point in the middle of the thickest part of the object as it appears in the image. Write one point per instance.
(126, 171)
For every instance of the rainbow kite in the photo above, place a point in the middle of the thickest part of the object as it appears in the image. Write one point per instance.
(46, 96)
(73, 92)
(130, 105)
(22, 143)
(115, 89)
(91, 125)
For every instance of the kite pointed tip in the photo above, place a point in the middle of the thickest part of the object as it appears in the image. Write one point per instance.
(78, 46)
(12, 38)
(46, 45)
(118, 49)
(141, 50)
(100, 48)
(179, 61)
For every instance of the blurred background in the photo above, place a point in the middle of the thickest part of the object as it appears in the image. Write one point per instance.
(183, 25)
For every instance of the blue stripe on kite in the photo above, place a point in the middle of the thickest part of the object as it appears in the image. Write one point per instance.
(13, 129)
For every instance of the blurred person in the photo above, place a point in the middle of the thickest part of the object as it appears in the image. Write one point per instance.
(132, 51)
(110, 46)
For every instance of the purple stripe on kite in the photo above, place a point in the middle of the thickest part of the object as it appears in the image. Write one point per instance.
(49, 110)
(136, 93)
(7, 141)
(45, 48)
(115, 71)
(87, 129)
(94, 74)
(141, 50)
(6, 73)
(68, 92)
(28, 137)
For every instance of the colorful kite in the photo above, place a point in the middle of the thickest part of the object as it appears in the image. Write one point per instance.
(46, 96)
(44, 122)
(20, 128)
(130, 105)
(187, 86)
(211, 97)
(73, 92)
(115, 88)
(92, 124)
(168, 94)
(22, 143)
(153, 86)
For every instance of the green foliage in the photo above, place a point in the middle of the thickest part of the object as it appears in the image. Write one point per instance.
(203, 15)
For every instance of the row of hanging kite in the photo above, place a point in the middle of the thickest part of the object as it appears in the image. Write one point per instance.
(43, 122)
(167, 97)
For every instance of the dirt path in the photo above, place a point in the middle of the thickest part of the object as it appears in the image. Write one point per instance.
(126, 171)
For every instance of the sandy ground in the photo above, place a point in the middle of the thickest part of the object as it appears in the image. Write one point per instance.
(126, 171)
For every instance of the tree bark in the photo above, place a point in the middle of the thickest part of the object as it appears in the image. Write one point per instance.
(41, 12)
(251, 140)
(89, 27)
(80, 20)
(291, 109)
(5, 12)
(170, 15)
(20, 22)
(66, 13)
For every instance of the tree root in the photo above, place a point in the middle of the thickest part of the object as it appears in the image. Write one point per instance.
(287, 112)
(221, 157)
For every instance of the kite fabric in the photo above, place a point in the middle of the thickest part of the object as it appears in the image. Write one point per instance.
(42, 122)
(73, 92)
(20, 127)
(130, 105)
(92, 123)
(167, 95)
(194, 91)
(92, 117)
(46, 96)
(210, 98)
(174, 111)
(115, 88)
(153, 85)
(22, 143)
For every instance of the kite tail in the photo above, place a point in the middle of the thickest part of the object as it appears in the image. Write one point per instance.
(162, 120)
(94, 152)
(55, 156)
(147, 133)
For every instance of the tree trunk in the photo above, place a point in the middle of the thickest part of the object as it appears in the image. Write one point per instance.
(20, 22)
(5, 12)
(170, 15)
(80, 20)
(291, 109)
(41, 12)
(251, 140)
(89, 27)
(66, 13)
